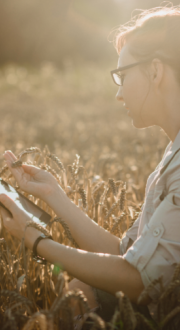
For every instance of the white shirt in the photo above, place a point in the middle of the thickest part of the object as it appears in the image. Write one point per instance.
(156, 232)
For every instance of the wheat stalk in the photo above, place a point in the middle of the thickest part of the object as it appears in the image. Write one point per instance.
(118, 221)
(114, 320)
(17, 163)
(37, 317)
(145, 293)
(3, 170)
(176, 273)
(37, 282)
(141, 319)
(66, 229)
(31, 150)
(170, 288)
(113, 186)
(98, 321)
(82, 193)
(170, 316)
(122, 198)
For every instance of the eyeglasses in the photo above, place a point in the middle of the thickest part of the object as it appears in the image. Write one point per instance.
(117, 77)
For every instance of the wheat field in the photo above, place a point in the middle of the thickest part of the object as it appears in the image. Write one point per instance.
(68, 122)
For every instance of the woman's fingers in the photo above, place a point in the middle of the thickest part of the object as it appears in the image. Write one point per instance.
(9, 204)
(30, 169)
(10, 159)
(21, 172)
(17, 172)
(30, 178)
(10, 156)
(4, 213)
(7, 219)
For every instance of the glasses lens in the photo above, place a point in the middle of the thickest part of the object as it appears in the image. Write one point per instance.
(117, 79)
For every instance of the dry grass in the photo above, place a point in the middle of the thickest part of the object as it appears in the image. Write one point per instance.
(48, 106)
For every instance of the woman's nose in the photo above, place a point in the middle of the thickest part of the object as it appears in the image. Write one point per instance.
(119, 96)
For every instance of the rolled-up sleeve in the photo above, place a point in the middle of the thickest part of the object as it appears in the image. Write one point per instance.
(157, 250)
(130, 234)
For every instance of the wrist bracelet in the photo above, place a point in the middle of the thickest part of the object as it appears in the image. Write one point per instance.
(35, 256)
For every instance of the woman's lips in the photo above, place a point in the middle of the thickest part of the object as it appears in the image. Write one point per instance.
(125, 106)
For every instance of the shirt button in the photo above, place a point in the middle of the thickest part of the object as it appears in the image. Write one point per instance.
(156, 232)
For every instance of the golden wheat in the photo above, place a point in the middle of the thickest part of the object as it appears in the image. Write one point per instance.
(31, 294)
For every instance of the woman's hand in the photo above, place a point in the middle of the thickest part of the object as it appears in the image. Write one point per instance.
(33, 180)
(16, 223)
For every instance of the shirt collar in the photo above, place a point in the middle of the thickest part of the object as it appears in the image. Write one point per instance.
(176, 144)
(171, 150)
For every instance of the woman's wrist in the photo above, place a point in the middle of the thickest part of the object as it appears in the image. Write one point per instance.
(50, 193)
(36, 243)
(31, 234)
(58, 201)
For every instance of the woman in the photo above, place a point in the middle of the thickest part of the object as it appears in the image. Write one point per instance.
(148, 76)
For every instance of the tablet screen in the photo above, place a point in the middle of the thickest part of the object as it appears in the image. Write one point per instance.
(33, 211)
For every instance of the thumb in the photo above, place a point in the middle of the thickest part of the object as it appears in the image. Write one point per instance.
(9, 204)
(30, 169)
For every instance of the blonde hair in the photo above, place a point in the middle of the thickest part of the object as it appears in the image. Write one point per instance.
(153, 33)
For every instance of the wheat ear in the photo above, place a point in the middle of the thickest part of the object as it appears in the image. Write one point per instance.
(65, 301)
(145, 293)
(143, 321)
(98, 321)
(37, 317)
(170, 316)
(66, 229)
(176, 272)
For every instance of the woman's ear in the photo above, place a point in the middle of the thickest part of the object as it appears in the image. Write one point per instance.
(156, 71)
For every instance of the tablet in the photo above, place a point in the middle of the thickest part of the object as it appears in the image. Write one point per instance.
(32, 210)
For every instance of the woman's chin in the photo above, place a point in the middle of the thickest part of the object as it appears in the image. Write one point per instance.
(137, 124)
(140, 124)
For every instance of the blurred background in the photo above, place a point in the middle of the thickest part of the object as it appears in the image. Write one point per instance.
(32, 31)
(56, 90)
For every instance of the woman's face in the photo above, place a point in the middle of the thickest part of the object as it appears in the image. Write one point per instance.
(136, 92)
